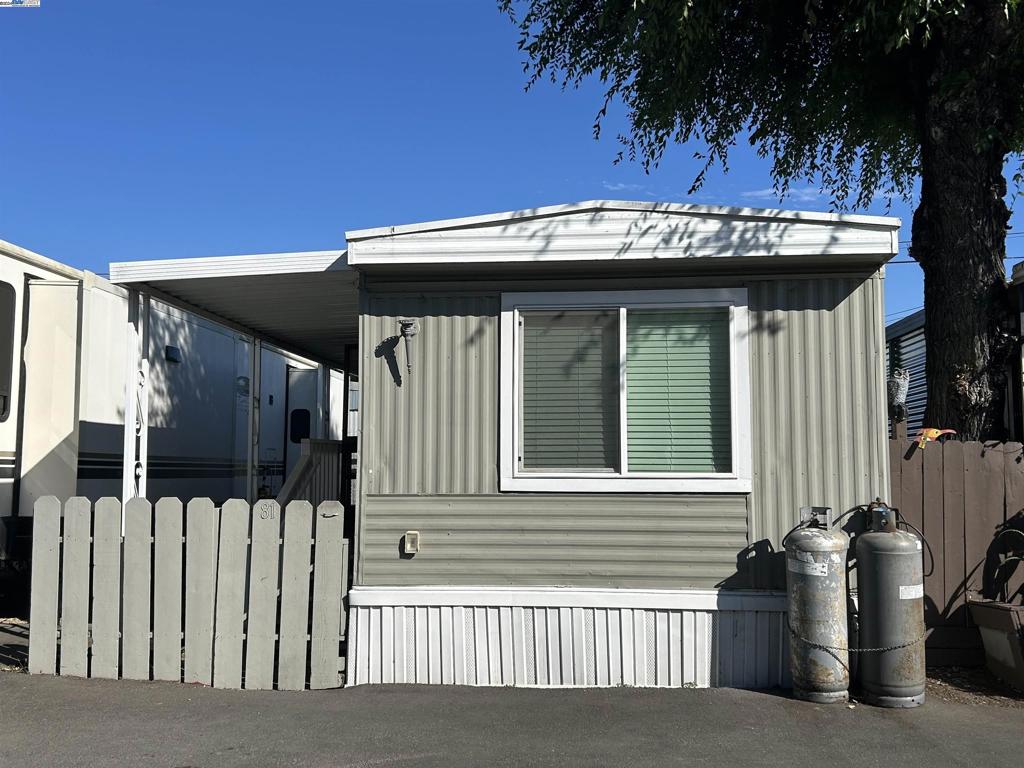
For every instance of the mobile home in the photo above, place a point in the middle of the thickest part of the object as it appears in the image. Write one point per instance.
(584, 429)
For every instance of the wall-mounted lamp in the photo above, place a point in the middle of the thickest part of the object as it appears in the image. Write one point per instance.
(172, 354)
(409, 328)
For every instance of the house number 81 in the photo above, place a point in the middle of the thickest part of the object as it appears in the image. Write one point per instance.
(267, 511)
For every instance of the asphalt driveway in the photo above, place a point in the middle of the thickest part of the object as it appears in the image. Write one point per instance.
(64, 721)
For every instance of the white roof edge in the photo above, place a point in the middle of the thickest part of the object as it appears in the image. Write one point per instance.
(228, 266)
(890, 222)
(43, 262)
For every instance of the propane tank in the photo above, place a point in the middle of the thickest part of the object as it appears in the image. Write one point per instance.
(816, 591)
(890, 579)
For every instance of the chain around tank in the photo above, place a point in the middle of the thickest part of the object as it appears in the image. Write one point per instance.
(830, 648)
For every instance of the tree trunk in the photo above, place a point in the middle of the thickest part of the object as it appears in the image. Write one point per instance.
(959, 229)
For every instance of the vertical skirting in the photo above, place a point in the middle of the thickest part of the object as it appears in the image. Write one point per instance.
(567, 637)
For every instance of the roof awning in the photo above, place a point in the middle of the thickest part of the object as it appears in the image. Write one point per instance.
(305, 302)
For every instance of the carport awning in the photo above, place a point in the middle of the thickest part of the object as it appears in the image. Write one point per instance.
(305, 302)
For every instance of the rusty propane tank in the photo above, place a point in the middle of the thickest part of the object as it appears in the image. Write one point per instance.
(816, 590)
(890, 606)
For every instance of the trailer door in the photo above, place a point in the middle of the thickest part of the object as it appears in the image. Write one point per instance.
(302, 409)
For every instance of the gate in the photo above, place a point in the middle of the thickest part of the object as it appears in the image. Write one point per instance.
(231, 596)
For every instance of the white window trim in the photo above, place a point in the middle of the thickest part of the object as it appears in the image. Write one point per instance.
(737, 481)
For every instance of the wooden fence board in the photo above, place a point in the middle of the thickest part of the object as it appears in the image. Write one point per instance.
(952, 549)
(291, 654)
(1014, 471)
(932, 514)
(974, 497)
(1013, 474)
(343, 622)
(912, 487)
(106, 589)
(328, 569)
(42, 650)
(230, 610)
(167, 583)
(74, 607)
(986, 515)
(261, 626)
(200, 588)
(138, 578)
(896, 450)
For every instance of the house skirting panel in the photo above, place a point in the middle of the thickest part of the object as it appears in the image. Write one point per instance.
(562, 637)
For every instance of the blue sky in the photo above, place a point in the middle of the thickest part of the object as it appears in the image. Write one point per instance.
(134, 129)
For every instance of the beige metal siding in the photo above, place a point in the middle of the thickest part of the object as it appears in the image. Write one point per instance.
(434, 429)
(430, 445)
(663, 542)
(817, 368)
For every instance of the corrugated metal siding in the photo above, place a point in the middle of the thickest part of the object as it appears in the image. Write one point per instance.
(432, 430)
(540, 646)
(907, 350)
(597, 541)
(819, 430)
(819, 419)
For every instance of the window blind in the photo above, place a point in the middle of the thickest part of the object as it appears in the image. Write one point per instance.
(570, 390)
(678, 399)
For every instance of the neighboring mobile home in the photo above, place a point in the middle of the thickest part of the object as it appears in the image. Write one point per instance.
(64, 340)
(585, 429)
(905, 348)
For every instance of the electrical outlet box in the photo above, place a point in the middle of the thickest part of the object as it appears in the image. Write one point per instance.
(412, 542)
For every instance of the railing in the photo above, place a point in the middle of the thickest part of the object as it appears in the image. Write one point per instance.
(114, 605)
(324, 472)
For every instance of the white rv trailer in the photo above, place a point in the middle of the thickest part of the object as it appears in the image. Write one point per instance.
(18, 266)
(63, 396)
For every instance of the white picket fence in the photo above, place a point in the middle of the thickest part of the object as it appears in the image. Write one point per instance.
(226, 596)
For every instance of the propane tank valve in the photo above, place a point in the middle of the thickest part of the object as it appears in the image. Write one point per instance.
(881, 517)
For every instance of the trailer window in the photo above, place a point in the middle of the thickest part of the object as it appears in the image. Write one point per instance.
(631, 391)
(7, 344)
(299, 427)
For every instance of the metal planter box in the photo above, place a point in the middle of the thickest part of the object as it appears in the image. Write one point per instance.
(1002, 631)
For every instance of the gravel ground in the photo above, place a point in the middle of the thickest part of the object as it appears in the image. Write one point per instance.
(974, 686)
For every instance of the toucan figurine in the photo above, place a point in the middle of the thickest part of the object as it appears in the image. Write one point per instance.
(930, 434)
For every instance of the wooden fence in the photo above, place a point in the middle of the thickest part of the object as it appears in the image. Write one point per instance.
(231, 597)
(959, 494)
